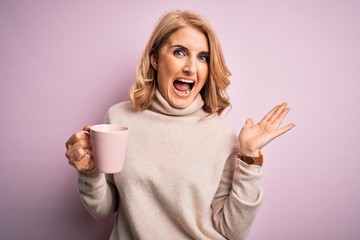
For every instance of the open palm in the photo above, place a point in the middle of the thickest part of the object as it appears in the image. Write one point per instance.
(253, 138)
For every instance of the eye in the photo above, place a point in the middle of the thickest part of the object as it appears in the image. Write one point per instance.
(179, 53)
(203, 58)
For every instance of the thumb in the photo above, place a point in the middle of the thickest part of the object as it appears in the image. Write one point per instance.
(249, 122)
(87, 127)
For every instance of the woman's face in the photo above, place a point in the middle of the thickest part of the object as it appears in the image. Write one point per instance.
(182, 66)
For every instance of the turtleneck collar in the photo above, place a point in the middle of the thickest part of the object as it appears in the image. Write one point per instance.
(159, 104)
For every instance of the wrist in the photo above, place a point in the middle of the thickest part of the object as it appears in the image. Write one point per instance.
(250, 153)
(255, 159)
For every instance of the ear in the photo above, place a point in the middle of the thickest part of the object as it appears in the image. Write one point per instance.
(154, 60)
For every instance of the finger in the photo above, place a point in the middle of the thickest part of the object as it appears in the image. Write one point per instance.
(249, 122)
(79, 156)
(269, 114)
(277, 112)
(76, 137)
(284, 129)
(82, 144)
(85, 164)
(79, 144)
(87, 128)
(280, 118)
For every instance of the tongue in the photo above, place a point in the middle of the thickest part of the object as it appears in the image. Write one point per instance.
(181, 86)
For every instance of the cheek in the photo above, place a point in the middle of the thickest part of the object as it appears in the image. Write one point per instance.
(204, 74)
(167, 69)
(201, 85)
(164, 78)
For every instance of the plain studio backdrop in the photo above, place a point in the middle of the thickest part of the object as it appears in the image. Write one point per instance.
(63, 63)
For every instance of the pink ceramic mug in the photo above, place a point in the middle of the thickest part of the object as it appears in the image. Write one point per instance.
(109, 146)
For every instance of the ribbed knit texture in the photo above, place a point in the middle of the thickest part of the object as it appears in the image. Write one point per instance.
(181, 178)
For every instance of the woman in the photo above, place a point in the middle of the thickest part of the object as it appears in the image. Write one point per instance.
(186, 173)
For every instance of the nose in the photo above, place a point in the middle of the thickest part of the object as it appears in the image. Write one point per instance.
(190, 67)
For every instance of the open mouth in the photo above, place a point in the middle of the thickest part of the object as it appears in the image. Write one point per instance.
(183, 86)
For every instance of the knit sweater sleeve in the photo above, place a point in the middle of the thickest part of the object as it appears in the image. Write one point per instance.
(98, 193)
(238, 197)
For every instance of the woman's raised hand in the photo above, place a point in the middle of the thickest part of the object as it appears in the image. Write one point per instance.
(253, 138)
(79, 151)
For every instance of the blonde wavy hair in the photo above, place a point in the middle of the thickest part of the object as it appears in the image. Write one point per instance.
(213, 92)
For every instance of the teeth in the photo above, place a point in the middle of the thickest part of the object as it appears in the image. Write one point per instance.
(186, 80)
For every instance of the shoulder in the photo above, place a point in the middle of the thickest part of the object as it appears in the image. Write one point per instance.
(121, 107)
(119, 111)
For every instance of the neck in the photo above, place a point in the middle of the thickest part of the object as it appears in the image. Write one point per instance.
(160, 105)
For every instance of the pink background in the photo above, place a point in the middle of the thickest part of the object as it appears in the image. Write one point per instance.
(63, 63)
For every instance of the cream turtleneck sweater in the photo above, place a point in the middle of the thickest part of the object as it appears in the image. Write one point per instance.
(181, 177)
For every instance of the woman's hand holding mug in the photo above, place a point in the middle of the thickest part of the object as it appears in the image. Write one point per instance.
(79, 151)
